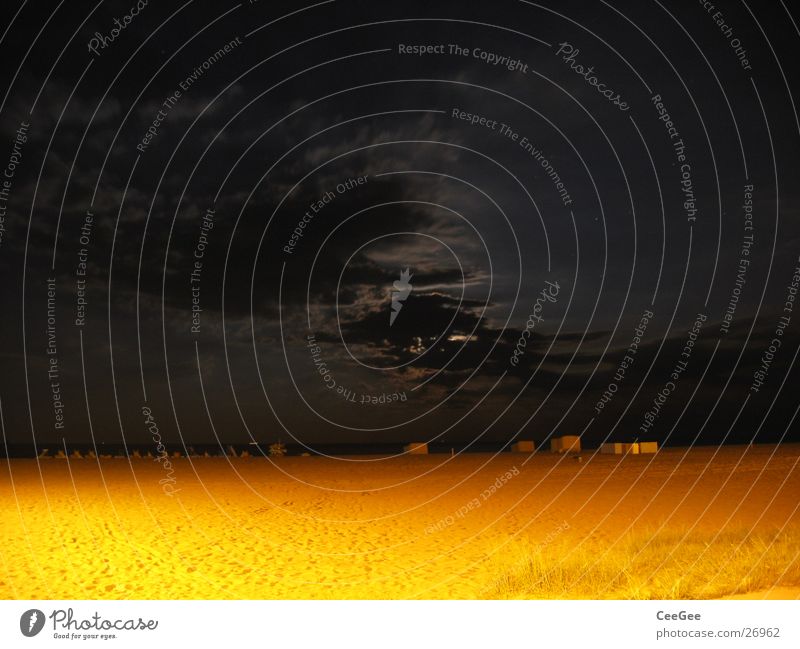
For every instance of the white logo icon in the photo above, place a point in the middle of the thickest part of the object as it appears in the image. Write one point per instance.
(401, 290)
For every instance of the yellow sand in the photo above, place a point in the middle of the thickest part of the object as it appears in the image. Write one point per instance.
(312, 527)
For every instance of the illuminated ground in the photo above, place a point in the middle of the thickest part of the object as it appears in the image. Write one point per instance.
(311, 527)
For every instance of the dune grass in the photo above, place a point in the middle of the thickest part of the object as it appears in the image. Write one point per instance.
(663, 565)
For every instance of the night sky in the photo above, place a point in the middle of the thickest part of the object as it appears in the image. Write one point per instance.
(207, 210)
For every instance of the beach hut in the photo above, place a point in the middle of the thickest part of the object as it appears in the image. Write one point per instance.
(417, 448)
(523, 446)
(648, 447)
(565, 444)
(76, 455)
(620, 448)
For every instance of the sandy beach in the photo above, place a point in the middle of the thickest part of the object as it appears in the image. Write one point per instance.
(428, 526)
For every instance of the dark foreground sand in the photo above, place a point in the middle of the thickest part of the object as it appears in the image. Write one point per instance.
(312, 527)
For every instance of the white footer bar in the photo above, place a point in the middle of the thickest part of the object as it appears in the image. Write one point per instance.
(401, 624)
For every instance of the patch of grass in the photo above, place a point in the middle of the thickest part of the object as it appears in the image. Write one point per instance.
(664, 565)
